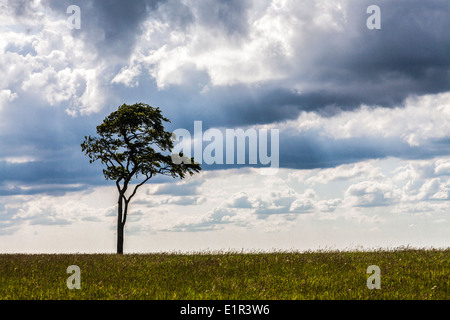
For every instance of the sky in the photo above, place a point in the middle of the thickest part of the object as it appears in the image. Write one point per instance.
(362, 116)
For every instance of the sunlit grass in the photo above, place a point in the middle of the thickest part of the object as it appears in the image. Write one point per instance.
(405, 274)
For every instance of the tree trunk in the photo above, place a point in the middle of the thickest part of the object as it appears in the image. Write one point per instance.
(120, 226)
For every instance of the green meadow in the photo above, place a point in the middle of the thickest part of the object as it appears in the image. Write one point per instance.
(405, 274)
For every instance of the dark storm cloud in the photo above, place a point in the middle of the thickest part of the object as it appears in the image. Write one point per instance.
(49, 140)
(408, 56)
(311, 151)
(64, 170)
(111, 26)
(19, 8)
(241, 106)
(229, 16)
(335, 70)
(354, 66)
(177, 13)
(220, 17)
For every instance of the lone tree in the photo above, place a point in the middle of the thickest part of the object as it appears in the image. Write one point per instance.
(132, 143)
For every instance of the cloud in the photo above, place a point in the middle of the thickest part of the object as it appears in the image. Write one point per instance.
(329, 205)
(66, 209)
(431, 189)
(215, 219)
(172, 200)
(354, 193)
(49, 221)
(229, 64)
(54, 177)
(240, 200)
(180, 188)
(21, 10)
(425, 180)
(304, 202)
(417, 130)
(109, 27)
(284, 47)
(372, 194)
(442, 167)
(272, 56)
(285, 201)
(414, 129)
(6, 96)
(276, 204)
(212, 220)
(49, 63)
(346, 172)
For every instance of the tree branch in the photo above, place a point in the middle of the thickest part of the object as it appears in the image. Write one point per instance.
(113, 155)
(137, 186)
(118, 184)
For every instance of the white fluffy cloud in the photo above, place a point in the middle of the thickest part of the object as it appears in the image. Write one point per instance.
(240, 200)
(371, 193)
(44, 59)
(420, 119)
(442, 167)
(275, 33)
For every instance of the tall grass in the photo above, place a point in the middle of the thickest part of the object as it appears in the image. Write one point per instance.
(405, 274)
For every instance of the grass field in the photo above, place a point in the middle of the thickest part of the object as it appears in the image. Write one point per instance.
(405, 274)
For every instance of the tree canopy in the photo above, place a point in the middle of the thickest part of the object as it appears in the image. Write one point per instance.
(133, 143)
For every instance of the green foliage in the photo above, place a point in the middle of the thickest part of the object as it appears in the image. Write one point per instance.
(132, 141)
(405, 274)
